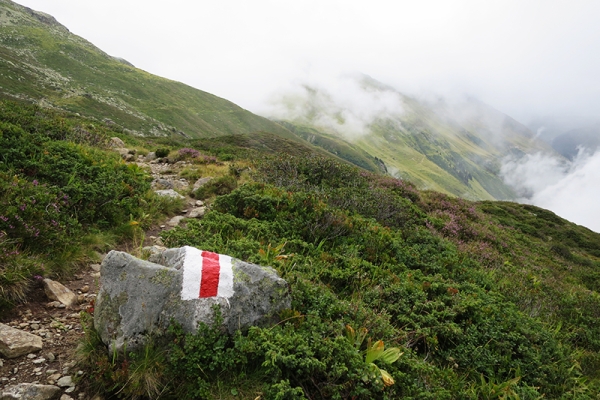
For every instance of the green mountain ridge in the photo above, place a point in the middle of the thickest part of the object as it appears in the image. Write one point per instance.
(430, 144)
(40, 60)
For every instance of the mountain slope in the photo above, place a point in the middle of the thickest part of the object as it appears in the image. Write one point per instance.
(453, 148)
(41, 60)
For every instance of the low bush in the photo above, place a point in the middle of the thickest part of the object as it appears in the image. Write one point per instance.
(216, 187)
(162, 152)
(56, 189)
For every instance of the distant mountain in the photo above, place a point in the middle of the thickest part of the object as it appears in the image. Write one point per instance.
(41, 61)
(454, 148)
(568, 144)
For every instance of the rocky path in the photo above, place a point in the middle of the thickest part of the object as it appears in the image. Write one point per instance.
(60, 330)
(38, 340)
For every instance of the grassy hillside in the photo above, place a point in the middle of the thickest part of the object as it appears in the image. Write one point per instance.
(482, 300)
(40, 60)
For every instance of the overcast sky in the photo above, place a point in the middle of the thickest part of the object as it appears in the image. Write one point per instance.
(526, 58)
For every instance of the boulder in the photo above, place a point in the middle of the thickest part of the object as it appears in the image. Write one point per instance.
(184, 285)
(30, 391)
(15, 342)
(58, 292)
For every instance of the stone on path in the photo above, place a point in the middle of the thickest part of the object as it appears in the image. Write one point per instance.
(169, 193)
(139, 297)
(58, 292)
(65, 381)
(197, 212)
(173, 222)
(15, 342)
(31, 391)
(150, 156)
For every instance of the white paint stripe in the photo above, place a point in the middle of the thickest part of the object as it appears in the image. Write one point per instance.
(226, 277)
(192, 273)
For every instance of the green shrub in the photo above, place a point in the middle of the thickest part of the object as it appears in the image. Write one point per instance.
(219, 186)
(162, 152)
(57, 190)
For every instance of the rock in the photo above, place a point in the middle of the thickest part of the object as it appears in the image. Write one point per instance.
(139, 297)
(197, 212)
(65, 397)
(95, 267)
(15, 343)
(122, 151)
(54, 377)
(58, 292)
(31, 391)
(201, 182)
(150, 156)
(169, 193)
(199, 203)
(65, 381)
(116, 142)
(165, 183)
(152, 250)
(173, 222)
(85, 289)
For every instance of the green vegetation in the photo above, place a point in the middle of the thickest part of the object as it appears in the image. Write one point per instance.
(483, 300)
(478, 307)
(62, 195)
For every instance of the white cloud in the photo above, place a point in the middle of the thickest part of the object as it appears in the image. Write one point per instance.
(340, 103)
(571, 190)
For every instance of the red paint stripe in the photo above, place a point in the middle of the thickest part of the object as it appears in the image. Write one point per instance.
(209, 283)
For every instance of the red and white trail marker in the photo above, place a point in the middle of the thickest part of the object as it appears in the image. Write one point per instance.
(206, 274)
